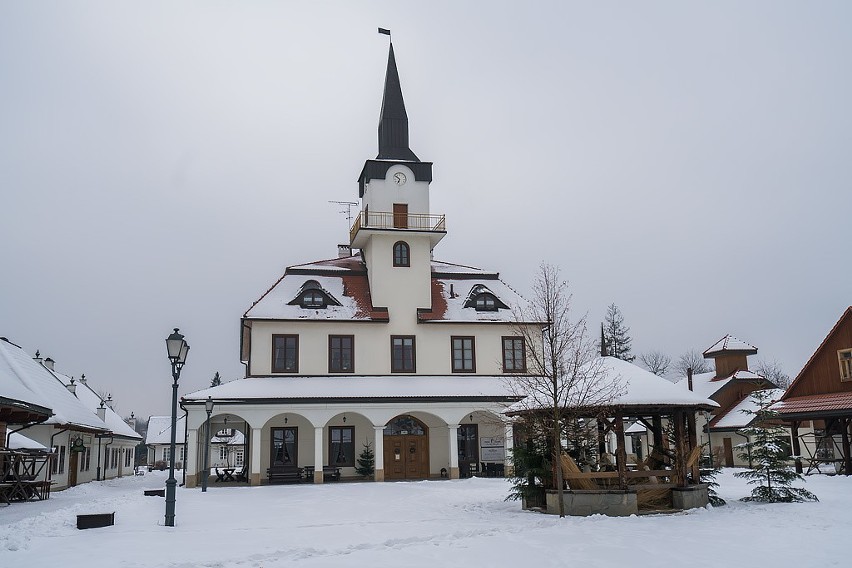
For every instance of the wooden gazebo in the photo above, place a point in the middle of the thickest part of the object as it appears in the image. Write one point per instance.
(669, 478)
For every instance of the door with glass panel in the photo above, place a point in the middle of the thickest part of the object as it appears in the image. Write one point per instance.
(284, 446)
(468, 450)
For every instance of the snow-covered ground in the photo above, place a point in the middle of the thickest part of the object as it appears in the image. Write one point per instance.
(432, 523)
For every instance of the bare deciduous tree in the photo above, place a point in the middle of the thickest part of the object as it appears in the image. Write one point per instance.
(692, 359)
(657, 362)
(772, 370)
(563, 371)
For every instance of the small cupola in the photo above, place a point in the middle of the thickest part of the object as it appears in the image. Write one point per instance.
(729, 355)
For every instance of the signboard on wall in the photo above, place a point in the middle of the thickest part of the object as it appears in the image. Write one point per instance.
(491, 449)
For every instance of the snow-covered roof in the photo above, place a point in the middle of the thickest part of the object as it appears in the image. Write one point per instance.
(706, 384)
(92, 400)
(636, 428)
(634, 386)
(345, 280)
(12, 387)
(739, 416)
(20, 442)
(372, 387)
(729, 343)
(160, 430)
(237, 439)
(46, 388)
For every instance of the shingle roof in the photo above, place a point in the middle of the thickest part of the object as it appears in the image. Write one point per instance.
(816, 404)
(730, 344)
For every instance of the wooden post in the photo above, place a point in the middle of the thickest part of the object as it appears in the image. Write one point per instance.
(621, 452)
(847, 459)
(797, 450)
(601, 441)
(680, 458)
(693, 443)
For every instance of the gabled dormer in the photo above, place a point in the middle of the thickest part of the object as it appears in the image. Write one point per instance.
(482, 299)
(314, 297)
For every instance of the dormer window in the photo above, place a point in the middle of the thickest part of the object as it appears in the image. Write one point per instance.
(483, 300)
(401, 254)
(486, 303)
(312, 296)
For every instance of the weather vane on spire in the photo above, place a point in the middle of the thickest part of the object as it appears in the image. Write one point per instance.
(384, 31)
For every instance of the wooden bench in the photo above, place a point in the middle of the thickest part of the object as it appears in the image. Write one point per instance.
(284, 474)
(330, 473)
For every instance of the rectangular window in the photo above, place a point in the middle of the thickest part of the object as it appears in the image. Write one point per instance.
(464, 360)
(61, 460)
(514, 356)
(402, 354)
(845, 358)
(341, 446)
(341, 356)
(128, 452)
(167, 454)
(88, 459)
(54, 465)
(284, 446)
(285, 353)
(223, 453)
(239, 458)
(182, 453)
(82, 459)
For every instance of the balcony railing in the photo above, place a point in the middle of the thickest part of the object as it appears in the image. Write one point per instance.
(401, 221)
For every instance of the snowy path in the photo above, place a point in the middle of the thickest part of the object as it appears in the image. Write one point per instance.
(412, 525)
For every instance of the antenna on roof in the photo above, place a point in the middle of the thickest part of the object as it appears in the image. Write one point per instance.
(347, 211)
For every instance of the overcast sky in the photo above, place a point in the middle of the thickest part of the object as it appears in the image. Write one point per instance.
(161, 164)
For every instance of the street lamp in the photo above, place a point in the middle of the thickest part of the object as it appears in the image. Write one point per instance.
(208, 406)
(178, 349)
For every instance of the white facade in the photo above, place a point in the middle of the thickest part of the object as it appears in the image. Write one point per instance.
(386, 348)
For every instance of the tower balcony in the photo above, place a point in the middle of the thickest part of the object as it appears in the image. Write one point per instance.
(370, 222)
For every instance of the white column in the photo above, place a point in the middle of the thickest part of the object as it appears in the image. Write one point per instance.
(255, 456)
(508, 443)
(379, 452)
(318, 461)
(191, 458)
(453, 430)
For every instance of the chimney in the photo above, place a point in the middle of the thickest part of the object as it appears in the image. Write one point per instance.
(37, 357)
(344, 251)
(49, 363)
(101, 412)
(109, 402)
(132, 421)
(83, 379)
(689, 378)
(72, 388)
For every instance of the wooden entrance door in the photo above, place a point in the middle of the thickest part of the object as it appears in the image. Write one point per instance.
(73, 464)
(406, 457)
(729, 452)
(400, 215)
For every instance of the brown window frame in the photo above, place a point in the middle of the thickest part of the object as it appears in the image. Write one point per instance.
(472, 353)
(285, 336)
(351, 339)
(294, 459)
(399, 261)
(503, 339)
(845, 365)
(413, 353)
(331, 443)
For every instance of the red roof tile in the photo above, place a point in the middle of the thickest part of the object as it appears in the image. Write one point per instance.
(816, 403)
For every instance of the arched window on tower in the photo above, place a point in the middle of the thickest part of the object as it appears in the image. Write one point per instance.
(401, 254)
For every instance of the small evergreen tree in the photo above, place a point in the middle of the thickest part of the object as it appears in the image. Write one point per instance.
(709, 471)
(767, 449)
(532, 470)
(216, 380)
(366, 461)
(617, 335)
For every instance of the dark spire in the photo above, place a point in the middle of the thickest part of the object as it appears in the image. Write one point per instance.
(393, 123)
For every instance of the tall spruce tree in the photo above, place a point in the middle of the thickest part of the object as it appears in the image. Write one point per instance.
(617, 335)
(767, 452)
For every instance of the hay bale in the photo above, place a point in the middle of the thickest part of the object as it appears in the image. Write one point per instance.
(654, 498)
(569, 466)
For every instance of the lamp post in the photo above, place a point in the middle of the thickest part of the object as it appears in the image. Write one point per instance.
(178, 349)
(208, 406)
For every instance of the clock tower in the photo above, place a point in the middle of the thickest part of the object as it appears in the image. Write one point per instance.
(395, 230)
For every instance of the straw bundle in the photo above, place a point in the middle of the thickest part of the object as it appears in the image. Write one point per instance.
(569, 466)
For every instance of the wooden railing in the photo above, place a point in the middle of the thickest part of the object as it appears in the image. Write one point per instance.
(402, 221)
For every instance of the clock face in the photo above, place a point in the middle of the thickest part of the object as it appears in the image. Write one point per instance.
(399, 178)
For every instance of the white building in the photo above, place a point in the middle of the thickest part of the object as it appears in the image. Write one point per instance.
(159, 438)
(385, 348)
(87, 438)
